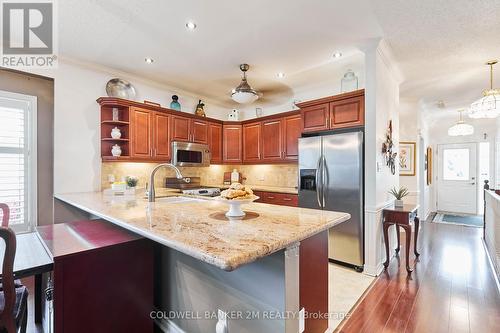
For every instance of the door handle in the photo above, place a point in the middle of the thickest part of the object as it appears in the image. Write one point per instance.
(318, 183)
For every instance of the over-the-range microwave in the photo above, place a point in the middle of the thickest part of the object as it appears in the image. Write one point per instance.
(190, 154)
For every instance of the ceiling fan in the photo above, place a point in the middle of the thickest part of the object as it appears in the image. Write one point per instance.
(244, 93)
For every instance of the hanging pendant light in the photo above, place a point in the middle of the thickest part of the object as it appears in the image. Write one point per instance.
(489, 105)
(461, 128)
(243, 93)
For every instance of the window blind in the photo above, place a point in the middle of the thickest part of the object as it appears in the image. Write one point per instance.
(13, 157)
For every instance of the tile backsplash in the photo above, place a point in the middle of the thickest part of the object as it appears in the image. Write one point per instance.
(280, 175)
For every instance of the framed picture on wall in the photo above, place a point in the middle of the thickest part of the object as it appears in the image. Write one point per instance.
(407, 158)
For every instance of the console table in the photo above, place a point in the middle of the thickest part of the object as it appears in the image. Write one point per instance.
(401, 217)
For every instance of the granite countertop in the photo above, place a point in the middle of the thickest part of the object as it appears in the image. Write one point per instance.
(200, 229)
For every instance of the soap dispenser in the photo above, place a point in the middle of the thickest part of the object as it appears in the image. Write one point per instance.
(235, 176)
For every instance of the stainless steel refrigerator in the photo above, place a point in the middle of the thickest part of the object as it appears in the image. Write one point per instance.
(331, 178)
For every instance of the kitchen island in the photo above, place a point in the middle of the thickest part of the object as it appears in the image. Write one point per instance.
(248, 268)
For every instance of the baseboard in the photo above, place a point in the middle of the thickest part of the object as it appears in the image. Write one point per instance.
(373, 270)
(168, 326)
(492, 265)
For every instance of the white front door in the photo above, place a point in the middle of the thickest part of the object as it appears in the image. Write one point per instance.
(457, 185)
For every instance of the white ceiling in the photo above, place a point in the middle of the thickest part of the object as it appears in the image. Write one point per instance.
(440, 45)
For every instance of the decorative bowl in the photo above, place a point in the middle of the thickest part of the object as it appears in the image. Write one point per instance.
(235, 205)
(120, 88)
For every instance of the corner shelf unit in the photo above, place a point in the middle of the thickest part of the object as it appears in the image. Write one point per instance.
(107, 124)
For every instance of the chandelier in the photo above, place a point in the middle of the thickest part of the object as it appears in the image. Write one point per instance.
(487, 106)
(461, 128)
(243, 93)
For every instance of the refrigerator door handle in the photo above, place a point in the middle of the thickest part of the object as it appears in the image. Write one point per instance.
(325, 179)
(319, 184)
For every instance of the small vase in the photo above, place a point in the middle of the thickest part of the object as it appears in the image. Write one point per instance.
(116, 151)
(349, 82)
(116, 133)
(398, 203)
(175, 105)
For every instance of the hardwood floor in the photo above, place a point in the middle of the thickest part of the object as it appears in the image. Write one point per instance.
(452, 288)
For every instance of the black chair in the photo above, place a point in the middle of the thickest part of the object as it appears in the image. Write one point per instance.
(13, 295)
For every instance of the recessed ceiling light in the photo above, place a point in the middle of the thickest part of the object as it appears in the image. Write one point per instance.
(190, 25)
(337, 54)
(280, 75)
(148, 60)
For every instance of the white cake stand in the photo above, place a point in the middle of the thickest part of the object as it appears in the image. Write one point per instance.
(235, 205)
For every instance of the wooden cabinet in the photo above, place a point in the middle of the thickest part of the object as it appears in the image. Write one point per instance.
(181, 130)
(272, 140)
(336, 112)
(215, 142)
(189, 130)
(150, 138)
(232, 141)
(251, 142)
(315, 117)
(161, 136)
(274, 198)
(141, 121)
(292, 130)
(199, 131)
(348, 112)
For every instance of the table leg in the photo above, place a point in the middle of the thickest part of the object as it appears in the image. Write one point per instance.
(417, 227)
(386, 241)
(407, 229)
(38, 298)
(397, 235)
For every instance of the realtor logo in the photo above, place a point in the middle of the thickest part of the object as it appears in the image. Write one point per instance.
(28, 34)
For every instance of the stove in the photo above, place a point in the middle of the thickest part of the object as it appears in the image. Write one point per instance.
(192, 186)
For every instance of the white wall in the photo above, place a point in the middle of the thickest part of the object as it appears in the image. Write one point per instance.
(77, 162)
(382, 103)
(408, 131)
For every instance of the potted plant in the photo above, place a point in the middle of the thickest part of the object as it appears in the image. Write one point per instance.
(399, 195)
(132, 181)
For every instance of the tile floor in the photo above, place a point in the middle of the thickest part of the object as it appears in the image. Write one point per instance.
(346, 288)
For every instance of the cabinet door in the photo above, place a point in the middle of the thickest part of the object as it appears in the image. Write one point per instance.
(232, 143)
(199, 131)
(251, 142)
(292, 130)
(161, 136)
(215, 142)
(349, 112)
(140, 141)
(272, 140)
(315, 117)
(181, 128)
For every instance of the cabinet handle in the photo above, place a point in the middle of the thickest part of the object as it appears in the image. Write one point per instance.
(270, 197)
(287, 199)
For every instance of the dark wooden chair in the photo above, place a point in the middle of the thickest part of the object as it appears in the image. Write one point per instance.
(13, 295)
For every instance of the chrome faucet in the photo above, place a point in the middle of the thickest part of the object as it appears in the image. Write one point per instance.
(151, 190)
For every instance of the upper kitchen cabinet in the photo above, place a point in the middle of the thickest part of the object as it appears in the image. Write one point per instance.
(252, 138)
(272, 143)
(150, 135)
(232, 143)
(292, 130)
(215, 142)
(189, 130)
(315, 117)
(147, 131)
(335, 112)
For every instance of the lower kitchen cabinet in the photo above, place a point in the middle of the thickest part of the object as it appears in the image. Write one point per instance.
(283, 199)
(102, 279)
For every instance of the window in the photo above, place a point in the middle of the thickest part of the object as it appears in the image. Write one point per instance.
(456, 164)
(18, 158)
